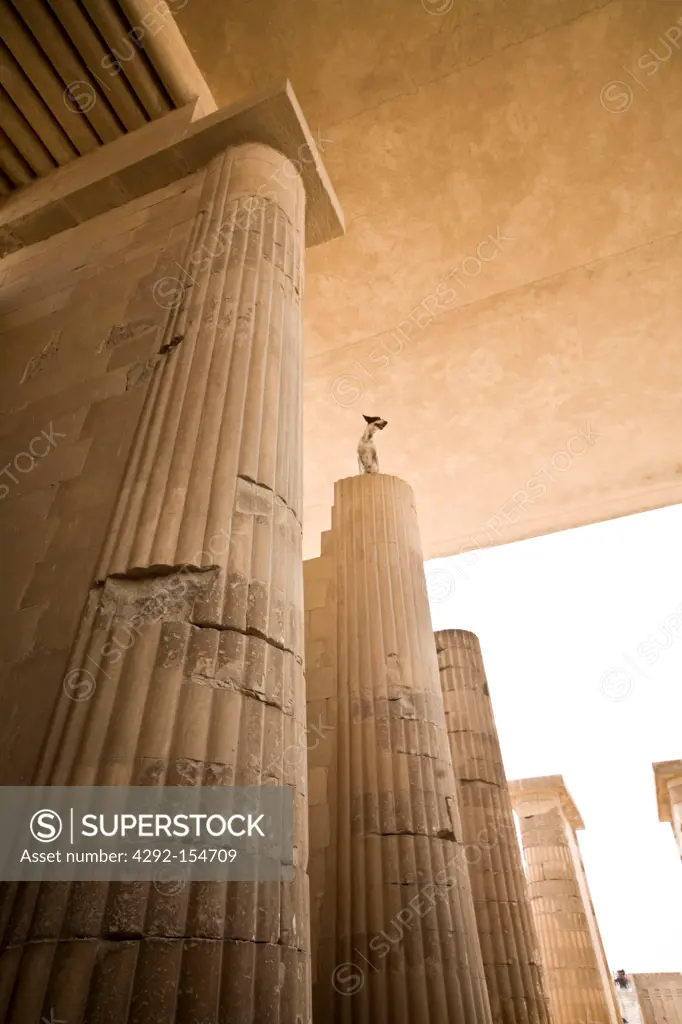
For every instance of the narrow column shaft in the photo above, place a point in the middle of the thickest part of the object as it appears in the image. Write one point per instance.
(675, 797)
(402, 946)
(191, 642)
(508, 941)
(578, 982)
(668, 781)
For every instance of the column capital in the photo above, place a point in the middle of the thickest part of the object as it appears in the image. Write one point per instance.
(528, 794)
(666, 773)
(367, 480)
(448, 639)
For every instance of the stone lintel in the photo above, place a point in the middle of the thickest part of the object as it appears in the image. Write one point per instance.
(158, 154)
(546, 787)
(664, 773)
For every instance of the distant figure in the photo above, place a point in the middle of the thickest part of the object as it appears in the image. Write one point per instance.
(621, 979)
(367, 453)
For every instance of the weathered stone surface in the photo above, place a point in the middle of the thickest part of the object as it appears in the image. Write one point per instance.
(394, 933)
(668, 778)
(576, 973)
(65, 434)
(509, 945)
(659, 997)
(187, 665)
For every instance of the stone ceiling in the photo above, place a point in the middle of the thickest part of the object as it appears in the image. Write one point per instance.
(508, 290)
(46, 125)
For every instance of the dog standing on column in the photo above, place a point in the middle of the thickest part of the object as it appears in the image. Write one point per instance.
(367, 453)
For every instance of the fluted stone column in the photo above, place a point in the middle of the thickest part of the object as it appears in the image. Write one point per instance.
(505, 927)
(668, 778)
(578, 981)
(191, 642)
(394, 935)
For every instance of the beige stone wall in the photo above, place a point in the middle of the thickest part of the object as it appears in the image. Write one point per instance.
(660, 997)
(79, 325)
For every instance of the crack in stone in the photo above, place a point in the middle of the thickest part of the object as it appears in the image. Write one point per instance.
(440, 834)
(416, 753)
(249, 631)
(173, 342)
(446, 833)
(141, 937)
(163, 572)
(263, 699)
(270, 490)
(160, 572)
(233, 686)
(484, 782)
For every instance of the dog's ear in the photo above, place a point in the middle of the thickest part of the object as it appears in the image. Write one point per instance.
(371, 419)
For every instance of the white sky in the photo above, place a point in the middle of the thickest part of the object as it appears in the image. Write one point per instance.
(553, 615)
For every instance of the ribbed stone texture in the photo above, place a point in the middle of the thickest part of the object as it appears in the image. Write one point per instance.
(395, 933)
(191, 642)
(505, 927)
(668, 780)
(578, 981)
(660, 998)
